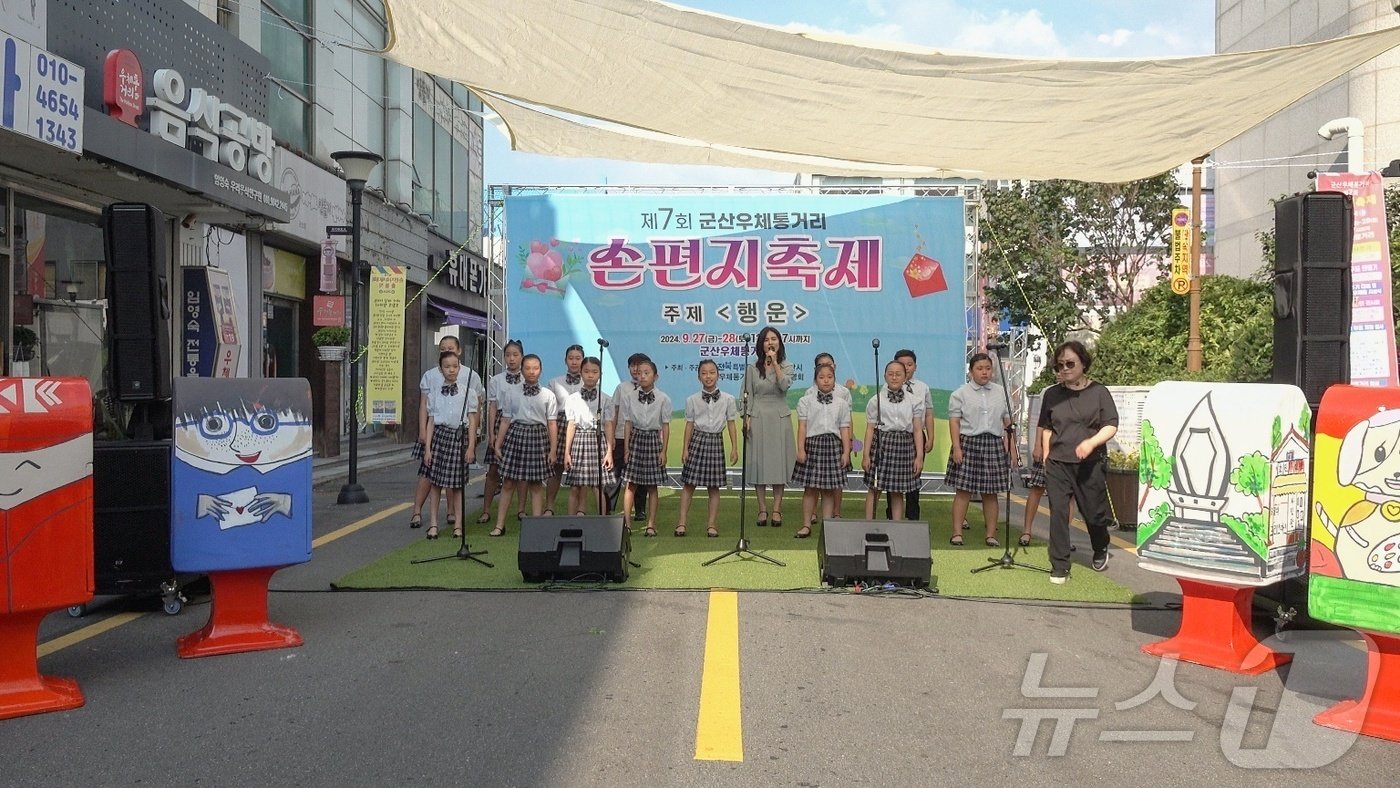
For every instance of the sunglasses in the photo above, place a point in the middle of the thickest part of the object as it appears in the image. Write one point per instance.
(1065, 366)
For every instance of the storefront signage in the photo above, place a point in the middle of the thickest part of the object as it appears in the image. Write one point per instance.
(124, 86)
(464, 272)
(317, 198)
(193, 118)
(41, 95)
(209, 334)
(328, 310)
(329, 267)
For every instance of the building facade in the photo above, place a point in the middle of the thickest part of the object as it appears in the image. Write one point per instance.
(1274, 159)
(223, 115)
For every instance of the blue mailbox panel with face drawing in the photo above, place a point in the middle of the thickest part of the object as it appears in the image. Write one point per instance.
(240, 492)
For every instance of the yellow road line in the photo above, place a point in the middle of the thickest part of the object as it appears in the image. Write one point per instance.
(719, 732)
(89, 631)
(112, 622)
(358, 524)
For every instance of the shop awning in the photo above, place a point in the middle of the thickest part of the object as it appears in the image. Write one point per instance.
(458, 315)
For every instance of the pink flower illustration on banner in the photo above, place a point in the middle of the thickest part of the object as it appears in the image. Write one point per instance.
(548, 269)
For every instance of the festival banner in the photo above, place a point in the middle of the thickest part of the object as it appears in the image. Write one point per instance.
(688, 277)
(1372, 322)
(384, 370)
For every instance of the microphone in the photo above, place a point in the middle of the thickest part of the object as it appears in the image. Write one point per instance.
(996, 346)
(602, 342)
(875, 343)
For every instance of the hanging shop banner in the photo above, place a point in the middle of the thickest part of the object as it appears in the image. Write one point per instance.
(686, 277)
(209, 337)
(384, 371)
(1372, 323)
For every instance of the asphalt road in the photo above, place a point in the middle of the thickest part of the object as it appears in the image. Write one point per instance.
(603, 688)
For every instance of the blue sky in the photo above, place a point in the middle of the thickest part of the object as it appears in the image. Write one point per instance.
(1033, 28)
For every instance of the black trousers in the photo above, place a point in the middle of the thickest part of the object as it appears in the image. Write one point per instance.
(911, 505)
(1086, 484)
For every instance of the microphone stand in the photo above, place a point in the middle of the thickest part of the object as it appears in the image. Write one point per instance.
(875, 433)
(598, 423)
(464, 553)
(1007, 560)
(742, 549)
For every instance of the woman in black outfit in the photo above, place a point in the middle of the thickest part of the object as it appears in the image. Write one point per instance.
(1079, 418)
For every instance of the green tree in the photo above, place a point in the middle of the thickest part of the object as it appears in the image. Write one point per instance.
(1276, 433)
(1251, 476)
(1154, 466)
(1066, 255)
(1147, 344)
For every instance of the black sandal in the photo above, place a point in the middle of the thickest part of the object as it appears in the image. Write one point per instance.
(956, 540)
(649, 531)
(803, 532)
(762, 519)
(416, 521)
(1025, 540)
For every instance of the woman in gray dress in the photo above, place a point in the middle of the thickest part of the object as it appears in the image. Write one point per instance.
(768, 423)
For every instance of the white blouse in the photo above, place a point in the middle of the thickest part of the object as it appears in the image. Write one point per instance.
(824, 418)
(894, 416)
(711, 416)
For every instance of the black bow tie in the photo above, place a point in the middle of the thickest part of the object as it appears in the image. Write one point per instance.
(646, 397)
(572, 379)
(710, 396)
(512, 378)
(588, 394)
(909, 387)
(824, 397)
(530, 390)
(450, 389)
(895, 396)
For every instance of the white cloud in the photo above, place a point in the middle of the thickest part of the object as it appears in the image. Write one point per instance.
(1010, 33)
(1116, 39)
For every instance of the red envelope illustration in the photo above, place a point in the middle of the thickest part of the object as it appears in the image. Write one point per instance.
(924, 275)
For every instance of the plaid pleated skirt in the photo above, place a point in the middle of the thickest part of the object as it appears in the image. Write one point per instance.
(985, 467)
(825, 468)
(525, 453)
(491, 457)
(893, 469)
(1034, 476)
(563, 423)
(642, 467)
(586, 460)
(704, 466)
(449, 467)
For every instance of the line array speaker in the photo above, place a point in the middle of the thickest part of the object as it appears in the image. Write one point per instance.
(138, 301)
(1312, 291)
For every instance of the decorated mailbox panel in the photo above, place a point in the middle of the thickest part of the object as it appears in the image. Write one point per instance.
(1223, 469)
(45, 493)
(241, 475)
(1355, 532)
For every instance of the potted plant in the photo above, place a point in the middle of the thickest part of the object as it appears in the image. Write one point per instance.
(1122, 479)
(25, 339)
(330, 342)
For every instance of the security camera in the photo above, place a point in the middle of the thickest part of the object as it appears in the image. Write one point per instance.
(189, 220)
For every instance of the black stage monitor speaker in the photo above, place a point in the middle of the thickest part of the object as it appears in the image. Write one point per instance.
(574, 548)
(131, 516)
(138, 301)
(1312, 291)
(882, 551)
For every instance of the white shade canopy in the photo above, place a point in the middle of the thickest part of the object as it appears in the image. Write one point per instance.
(696, 87)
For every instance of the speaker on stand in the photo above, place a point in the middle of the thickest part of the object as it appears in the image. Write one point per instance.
(1312, 317)
(138, 301)
(1312, 292)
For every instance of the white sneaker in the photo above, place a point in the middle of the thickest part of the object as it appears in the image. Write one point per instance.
(1059, 580)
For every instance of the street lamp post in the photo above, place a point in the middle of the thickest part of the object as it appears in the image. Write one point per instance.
(357, 166)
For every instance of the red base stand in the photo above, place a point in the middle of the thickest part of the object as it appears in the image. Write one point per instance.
(1216, 630)
(238, 617)
(1377, 713)
(22, 690)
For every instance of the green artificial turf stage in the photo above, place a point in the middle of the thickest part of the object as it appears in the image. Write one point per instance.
(669, 562)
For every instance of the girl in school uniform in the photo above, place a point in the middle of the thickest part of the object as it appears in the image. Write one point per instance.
(527, 441)
(823, 444)
(624, 393)
(563, 386)
(588, 460)
(707, 413)
(450, 440)
(646, 433)
(894, 437)
(499, 389)
(841, 393)
(978, 457)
